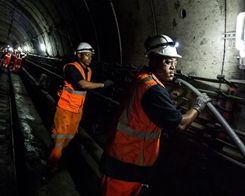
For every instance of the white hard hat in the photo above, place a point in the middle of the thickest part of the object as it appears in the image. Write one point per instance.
(162, 45)
(84, 47)
(10, 49)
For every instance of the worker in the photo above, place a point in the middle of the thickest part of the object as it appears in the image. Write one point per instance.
(69, 110)
(149, 111)
(7, 59)
(17, 61)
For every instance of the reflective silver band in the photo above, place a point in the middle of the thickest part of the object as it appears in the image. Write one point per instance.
(135, 133)
(75, 92)
(58, 145)
(62, 136)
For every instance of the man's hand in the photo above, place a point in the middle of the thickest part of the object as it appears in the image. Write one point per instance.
(108, 83)
(201, 102)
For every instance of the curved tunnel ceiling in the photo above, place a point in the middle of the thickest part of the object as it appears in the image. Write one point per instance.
(117, 29)
(60, 25)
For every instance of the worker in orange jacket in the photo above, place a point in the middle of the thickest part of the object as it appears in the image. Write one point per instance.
(149, 111)
(17, 61)
(7, 59)
(69, 111)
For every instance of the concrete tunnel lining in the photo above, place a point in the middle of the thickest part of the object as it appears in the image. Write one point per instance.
(61, 25)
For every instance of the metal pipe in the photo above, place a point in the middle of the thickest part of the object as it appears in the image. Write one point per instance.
(44, 57)
(229, 159)
(105, 97)
(46, 70)
(230, 82)
(219, 117)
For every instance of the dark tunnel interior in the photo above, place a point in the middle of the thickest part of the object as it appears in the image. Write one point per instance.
(208, 158)
(61, 25)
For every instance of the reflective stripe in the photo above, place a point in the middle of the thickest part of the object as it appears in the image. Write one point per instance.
(75, 92)
(61, 136)
(58, 145)
(152, 77)
(146, 79)
(135, 133)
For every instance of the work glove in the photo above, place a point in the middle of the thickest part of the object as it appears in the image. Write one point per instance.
(201, 102)
(108, 83)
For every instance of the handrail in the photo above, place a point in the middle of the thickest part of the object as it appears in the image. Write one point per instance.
(219, 117)
(44, 57)
(44, 69)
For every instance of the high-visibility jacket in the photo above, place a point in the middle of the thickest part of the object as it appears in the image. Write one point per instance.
(7, 59)
(70, 99)
(137, 138)
(17, 62)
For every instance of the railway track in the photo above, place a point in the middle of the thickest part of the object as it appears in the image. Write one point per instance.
(24, 140)
(8, 180)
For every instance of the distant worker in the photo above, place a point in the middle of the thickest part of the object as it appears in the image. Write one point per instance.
(69, 111)
(6, 59)
(149, 111)
(17, 61)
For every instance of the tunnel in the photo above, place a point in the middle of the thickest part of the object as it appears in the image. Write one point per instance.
(208, 158)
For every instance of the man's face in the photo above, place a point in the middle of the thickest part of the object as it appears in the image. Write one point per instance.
(85, 58)
(166, 68)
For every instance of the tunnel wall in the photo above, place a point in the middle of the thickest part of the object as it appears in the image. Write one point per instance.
(117, 30)
(199, 26)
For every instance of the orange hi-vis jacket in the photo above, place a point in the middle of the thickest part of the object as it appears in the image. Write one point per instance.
(7, 59)
(137, 138)
(17, 61)
(70, 99)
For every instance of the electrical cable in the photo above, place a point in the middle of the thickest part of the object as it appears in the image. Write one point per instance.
(219, 117)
